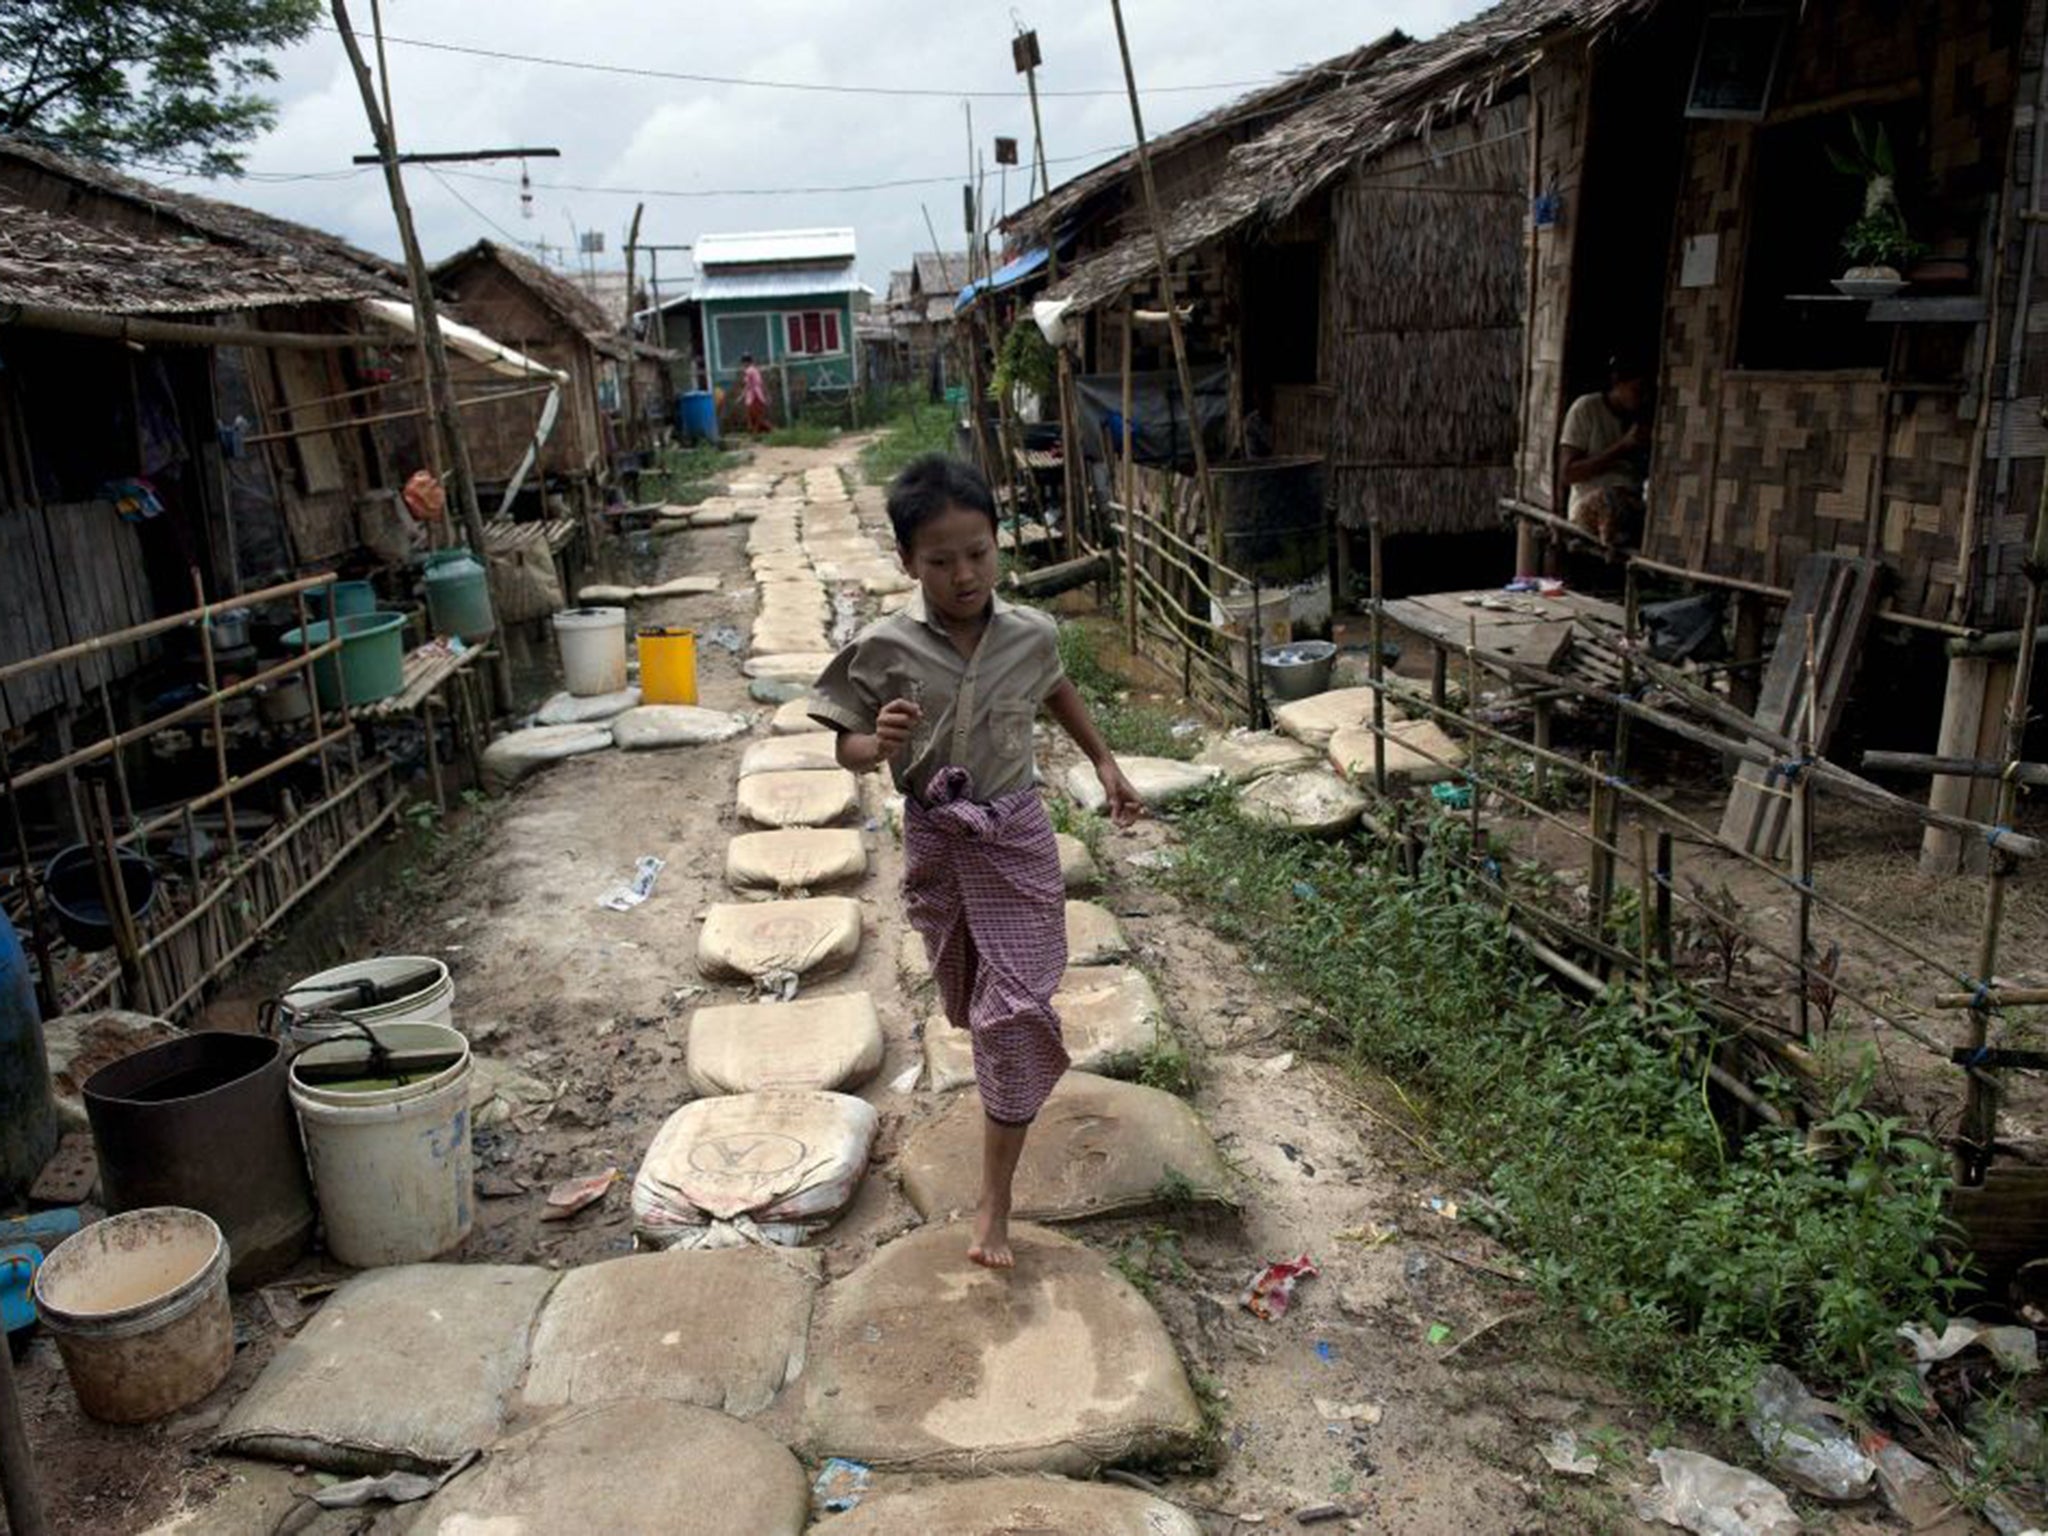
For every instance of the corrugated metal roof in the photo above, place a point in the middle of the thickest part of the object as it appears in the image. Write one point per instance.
(811, 246)
(786, 283)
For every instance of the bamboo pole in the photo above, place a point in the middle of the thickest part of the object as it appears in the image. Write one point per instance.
(1130, 480)
(1377, 663)
(1802, 850)
(38, 918)
(1173, 329)
(20, 1492)
(1472, 737)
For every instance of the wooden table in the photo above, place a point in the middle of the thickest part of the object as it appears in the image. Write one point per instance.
(431, 670)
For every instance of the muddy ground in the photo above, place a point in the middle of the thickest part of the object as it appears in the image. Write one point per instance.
(588, 1005)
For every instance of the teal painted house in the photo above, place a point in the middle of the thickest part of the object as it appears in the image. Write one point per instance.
(786, 296)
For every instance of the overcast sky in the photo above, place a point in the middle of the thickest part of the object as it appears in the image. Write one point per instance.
(664, 136)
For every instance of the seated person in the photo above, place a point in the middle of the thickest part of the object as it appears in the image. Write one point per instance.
(1601, 453)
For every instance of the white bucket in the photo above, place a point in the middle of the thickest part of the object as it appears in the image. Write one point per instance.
(593, 646)
(328, 992)
(391, 1166)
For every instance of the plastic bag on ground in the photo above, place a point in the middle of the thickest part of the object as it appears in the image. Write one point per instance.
(660, 1326)
(403, 1369)
(568, 709)
(921, 1359)
(627, 1469)
(1805, 1443)
(786, 1161)
(652, 726)
(815, 1043)
(517, 754)
(747, 941)
(1711, 1498)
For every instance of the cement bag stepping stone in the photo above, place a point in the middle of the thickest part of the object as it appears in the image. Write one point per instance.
(913, 964)
(793, 717)
(885, 581)
(1077, 864)
(1093, 935)
(1313, 720)
(801, 667)
(713, 517)
(1418, 752)
(745, 941)
(784, 1162)
(675, 725)
(627, 1469)
(403, 1368)
(923, 1360)
(517, 754)
(1004, 1506)
(660, 1327)
(812, 751)
(1159, 781)
(680, 586)
(771, 690)
(1313, 801)
(782, 638)
(898, 602)
(568, 709)
(1099, 1148)
(822, 1043)
(795, 859)
(801, 799)
(1244, 756)
(1109, 1018)
(606, 595)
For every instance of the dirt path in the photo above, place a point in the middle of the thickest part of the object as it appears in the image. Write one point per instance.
(1432, 1404)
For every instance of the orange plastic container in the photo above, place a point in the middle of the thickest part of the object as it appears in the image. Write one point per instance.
(668, 665)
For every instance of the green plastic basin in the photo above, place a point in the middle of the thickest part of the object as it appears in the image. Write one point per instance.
(372, 658)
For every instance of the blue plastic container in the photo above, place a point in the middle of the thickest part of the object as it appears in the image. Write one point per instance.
(28, 1118)
(350, 598)
(18, 1265)
(699, 411)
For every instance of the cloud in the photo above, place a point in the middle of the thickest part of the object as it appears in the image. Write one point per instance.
(663, 136)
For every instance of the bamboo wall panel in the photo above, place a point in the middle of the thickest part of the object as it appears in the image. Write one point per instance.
(1557, 91)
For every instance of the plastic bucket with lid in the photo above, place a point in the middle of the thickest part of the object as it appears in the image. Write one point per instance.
(388, 1142)
(593, 646)
(138, 1305)
(668, 665)
(385, 989)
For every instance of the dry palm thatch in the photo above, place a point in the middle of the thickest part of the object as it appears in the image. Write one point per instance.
(561, 298)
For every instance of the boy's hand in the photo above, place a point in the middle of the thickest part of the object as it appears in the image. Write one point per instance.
(898, 718)
(1124, 806)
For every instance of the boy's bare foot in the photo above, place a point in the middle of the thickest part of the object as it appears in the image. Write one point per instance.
(991, 1246)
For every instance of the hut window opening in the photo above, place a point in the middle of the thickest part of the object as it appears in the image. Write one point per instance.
(739, 335)
(812, 332)
(1800, 208)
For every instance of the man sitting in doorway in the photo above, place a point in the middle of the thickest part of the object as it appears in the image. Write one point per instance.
(1601, 455)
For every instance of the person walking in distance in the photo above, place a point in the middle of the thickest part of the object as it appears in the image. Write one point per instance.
(945, 694)
(753, 394)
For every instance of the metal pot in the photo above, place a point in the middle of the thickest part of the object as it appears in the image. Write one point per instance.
(1298, 670)
(230, 629)
(284, 701)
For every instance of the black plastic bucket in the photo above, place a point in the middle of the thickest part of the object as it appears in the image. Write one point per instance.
(205, 1122)
(72, 884)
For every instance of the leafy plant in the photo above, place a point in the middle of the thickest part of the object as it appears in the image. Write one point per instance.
(911, 432)
(1141, 730)
(1025, 360)
(1879, 237)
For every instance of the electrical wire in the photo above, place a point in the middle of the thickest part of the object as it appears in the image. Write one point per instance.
(817, 87)
(456, 193)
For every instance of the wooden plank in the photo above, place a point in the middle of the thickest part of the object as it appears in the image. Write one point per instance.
(1838, 597)
(2005, 1221)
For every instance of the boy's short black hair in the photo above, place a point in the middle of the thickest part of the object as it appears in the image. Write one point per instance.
(930, 485)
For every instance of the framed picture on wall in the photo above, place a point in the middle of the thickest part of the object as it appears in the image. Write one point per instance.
(1737, 65)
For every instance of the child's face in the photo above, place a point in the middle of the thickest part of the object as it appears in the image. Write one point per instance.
(953, 557)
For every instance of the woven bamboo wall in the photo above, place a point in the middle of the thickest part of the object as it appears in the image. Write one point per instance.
(1427, 300)
(498, 305)
(1558, 94)
(1750, 469)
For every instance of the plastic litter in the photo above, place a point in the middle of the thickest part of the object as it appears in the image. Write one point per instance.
(1912, 1489)
(1331, 1411)
(840, 1484)
(726, 638)
(391, 1488)
(1564, 1455)
(1271, 1291)
(1439, 1333)
(1805, 1442)
(624, 898)
(2012, 1346)
(1452, 797)
(573, 1195)
(1711, 1498)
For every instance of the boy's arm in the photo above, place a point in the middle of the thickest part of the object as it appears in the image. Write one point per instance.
(1066, 705)
(865, 751)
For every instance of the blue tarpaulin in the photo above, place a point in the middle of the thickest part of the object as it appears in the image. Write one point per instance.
(1006, 276)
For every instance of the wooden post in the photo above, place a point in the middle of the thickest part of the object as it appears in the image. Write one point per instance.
(1801, 790)
(114, 896)
(426, 314)
(1979, 1129)
(1127, 549)
(1664, 933)
(38, 935)
(1600, 869)
(1544, 711)
(1377, 663)
(1970, 729)
(215, 720)
(1745, 678)
(1180, 346)
(1645, 942)
(1439, 676)
(629, 392)
(1472, 719)
(20, 1493)
(1632, 611)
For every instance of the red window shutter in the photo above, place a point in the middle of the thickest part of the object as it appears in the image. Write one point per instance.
(814, 332)
(831, 330)
(794, 328)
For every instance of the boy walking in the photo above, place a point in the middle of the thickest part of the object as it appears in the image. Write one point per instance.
(945, 694)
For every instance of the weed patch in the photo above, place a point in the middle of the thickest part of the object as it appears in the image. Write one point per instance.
(1688, 1260)
(1135, 730)
(909, 433)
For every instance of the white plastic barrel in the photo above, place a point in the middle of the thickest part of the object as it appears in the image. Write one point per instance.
(593, 646)
(391, 1165)
(327, 992)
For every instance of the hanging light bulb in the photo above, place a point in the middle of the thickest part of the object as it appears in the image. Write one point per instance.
(525, 192)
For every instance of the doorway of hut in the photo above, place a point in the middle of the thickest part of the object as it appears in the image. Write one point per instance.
(1625, 207)
(1282, 308)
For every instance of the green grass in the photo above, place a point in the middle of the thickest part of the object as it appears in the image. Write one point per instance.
(802, 434)
(1686, 1258)
(1131, 729)
(910, 431)
(687, 476)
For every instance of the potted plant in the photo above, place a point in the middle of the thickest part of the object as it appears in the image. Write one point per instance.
(1878, 245)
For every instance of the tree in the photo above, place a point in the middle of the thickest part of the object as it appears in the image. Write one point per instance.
(144, 79)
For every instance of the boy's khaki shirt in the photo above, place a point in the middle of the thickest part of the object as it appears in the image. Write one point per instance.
(978, 710)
